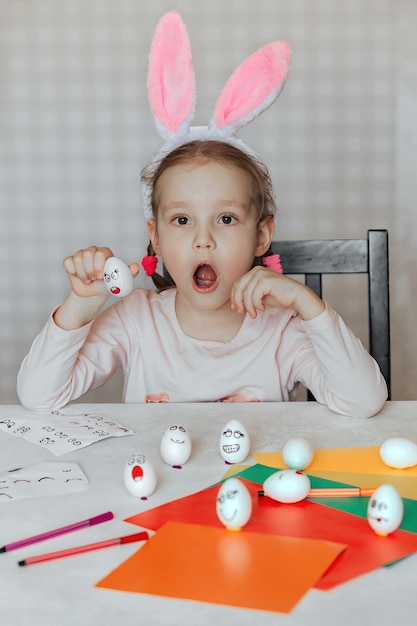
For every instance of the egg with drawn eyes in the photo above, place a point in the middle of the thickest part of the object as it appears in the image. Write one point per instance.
(385, 510)
(399, 452)
(234, 442)
(117, 277)
(139, 476)
(287, 486)
(297, 453)
(175, 445)
(233, 504)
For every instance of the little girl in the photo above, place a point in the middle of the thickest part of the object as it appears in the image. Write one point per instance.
(224, 326)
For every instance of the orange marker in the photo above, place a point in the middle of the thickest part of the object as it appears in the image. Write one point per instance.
(143, 536)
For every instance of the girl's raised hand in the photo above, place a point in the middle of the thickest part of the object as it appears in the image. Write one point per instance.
(262, 287)
(85, 271)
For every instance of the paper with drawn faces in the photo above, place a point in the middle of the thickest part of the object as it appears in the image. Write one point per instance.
(42, 479)
(63, 432)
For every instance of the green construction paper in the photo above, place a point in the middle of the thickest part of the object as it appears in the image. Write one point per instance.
(355, 505)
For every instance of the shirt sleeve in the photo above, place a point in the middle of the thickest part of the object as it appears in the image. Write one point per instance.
(62, 365)
(340, 372)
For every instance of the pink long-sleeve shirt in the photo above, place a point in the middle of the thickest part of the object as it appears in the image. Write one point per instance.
(266, 361)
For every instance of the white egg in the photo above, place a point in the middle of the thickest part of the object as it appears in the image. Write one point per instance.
(287, 486)
(234, 504)
(297, 453)
(399, 452)
(385, 510)
(117, 277)
(175, 445)
(234, 442)
(139, 476)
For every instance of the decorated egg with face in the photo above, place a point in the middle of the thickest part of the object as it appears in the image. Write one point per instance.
(234, 442)
(385, 510)
(175, 445)
(117, 277)
(297, 453)
(139, 476)
(287, 486)
(234, 504)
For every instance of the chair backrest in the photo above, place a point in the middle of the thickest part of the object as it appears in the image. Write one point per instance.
(315, 257)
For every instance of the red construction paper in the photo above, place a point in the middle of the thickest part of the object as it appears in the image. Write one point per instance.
(366, 551)
(244, 569)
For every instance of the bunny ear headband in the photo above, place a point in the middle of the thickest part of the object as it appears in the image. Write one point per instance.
(251, 89)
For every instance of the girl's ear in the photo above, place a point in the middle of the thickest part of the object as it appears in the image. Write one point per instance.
(266, 229)
(153, 234)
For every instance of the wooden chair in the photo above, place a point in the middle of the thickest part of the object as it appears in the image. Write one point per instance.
(314, 257)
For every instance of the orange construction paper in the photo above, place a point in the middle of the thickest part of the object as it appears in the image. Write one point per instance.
(243, 569)
(310, 520)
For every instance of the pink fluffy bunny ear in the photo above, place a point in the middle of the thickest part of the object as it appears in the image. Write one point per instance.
(252, 88)
(171, 87)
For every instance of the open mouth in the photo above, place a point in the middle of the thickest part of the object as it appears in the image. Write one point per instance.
(205, 278)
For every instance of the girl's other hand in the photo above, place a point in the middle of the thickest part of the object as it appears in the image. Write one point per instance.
(262, 287)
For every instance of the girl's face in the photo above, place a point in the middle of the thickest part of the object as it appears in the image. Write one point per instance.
(206, 230)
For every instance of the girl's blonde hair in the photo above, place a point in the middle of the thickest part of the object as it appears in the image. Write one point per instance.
(202, 151)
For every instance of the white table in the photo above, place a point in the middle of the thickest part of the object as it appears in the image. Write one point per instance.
(62, 591)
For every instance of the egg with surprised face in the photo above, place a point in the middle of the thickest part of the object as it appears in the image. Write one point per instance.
(175, 445)
(117, 277)
(287, 486)
(385, 510)
(234, 442)
(139, 476)
(234, 504)
(297, 453)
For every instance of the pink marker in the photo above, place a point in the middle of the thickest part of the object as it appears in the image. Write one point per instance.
(92, 521)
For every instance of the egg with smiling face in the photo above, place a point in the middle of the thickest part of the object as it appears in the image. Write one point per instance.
(233, 504)
(175, 445)
(234, 442)
(385, 510)
(139, 476)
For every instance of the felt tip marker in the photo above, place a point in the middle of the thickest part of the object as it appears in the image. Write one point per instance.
(50, 556)
(336, 492)
(91, 521)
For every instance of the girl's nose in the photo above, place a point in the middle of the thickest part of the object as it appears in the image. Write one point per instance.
(203, 239)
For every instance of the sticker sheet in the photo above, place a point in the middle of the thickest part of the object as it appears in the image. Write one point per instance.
(61, 433)
(43, 479)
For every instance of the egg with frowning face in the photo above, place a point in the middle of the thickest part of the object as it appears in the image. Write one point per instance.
(234, 504)
(385, 510)
(139, 476)
(175, 445)
(234, 442)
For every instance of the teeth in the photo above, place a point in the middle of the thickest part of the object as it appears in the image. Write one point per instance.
(231, 448)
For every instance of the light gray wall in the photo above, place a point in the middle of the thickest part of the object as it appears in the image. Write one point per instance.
(75, 130)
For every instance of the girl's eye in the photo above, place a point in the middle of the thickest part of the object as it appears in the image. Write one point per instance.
(181, 220)
(228, 219)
